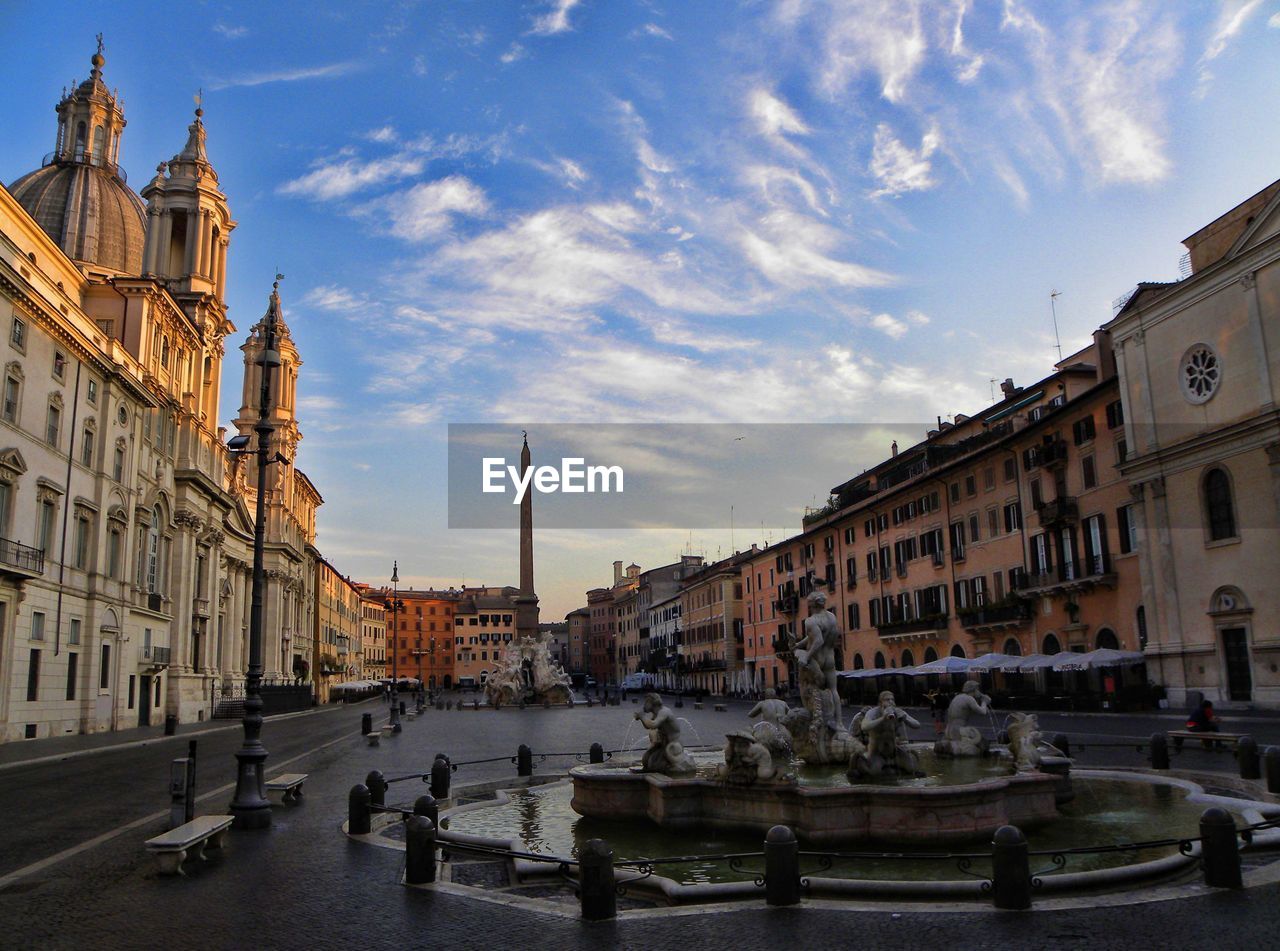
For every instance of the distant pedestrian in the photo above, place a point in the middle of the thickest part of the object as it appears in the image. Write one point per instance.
(1202, 719)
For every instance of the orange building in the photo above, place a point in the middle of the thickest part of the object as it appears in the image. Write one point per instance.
(484, 623)
(420, 635)
(711, 639)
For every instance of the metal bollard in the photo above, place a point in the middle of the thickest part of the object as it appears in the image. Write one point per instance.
(427, 806)
(596, 755)
(590, 702)
(1062, 744)
(596, 887)
(377, 787)
(1159, 751)
(781, 867)
(1010, 869)
(1271, 766)
(419, 851)
(358, 811)
(1247, 755)
(366, 724)
(440, 771)
(524, 761)
(1219, 854)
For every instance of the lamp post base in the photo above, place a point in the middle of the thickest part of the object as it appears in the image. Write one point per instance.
(251, 809)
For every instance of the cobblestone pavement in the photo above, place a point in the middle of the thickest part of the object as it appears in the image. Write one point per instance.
(301, 884)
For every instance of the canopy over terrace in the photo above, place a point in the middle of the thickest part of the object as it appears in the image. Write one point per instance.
(1102, 657)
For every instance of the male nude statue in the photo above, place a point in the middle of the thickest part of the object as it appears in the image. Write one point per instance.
(815, 654)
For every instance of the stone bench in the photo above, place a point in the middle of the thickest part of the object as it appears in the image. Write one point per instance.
(1207, 738)
(375, 738)
(388, 729)
(720, 708)
(289, 785)
(697, 706)
(171, 847)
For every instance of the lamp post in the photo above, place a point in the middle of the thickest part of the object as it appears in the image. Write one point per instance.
(675, 643)
(395, 667)
(250, 806)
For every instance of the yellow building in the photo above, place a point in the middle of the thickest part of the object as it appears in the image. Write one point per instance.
(339, 629)
(483, 625)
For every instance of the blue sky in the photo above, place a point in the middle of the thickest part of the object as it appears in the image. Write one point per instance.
(661, 211)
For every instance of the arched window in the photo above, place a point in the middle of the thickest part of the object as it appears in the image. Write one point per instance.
(857, 662)
(1107, 639)
(97, 145)
(930, 655)
(908, 659)
(80, 135)
(1051, 645)
(1218, 507)
(1012, 648)
(879, 661)
(153, 574)
(957, 651)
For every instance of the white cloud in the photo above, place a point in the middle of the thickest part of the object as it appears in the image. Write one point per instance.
(796, 252)
(419, 66)
(338, 179)
(555, 20)
(286, 75)
(332, 297)
(1232, 16)
(968, 64)
(1274, 22)
(889, 325)
(414, 414)
(901, 169)
(918, 318)
(773, 116)
(652, 29)
(514, 52)
(382, 135)
(880, 36)
(316, 404)
(230, 32)
(427, 209)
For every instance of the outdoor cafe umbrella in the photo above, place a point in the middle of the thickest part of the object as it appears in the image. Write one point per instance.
(1102, 657)
(943, 665)
(989, 662)
(1031, 663)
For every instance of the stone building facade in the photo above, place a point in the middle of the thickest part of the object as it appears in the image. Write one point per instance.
(126, 524)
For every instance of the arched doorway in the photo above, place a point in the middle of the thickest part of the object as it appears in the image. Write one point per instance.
(957, 651)
(879, 661)
(1012, 648)
(857, 662)
(1051, 645)
(930, 655)
(1107, 640)
(448, 681)
(908, 659)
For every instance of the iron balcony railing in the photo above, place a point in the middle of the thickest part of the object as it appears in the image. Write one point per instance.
(995, 614)
(24, 557)
(931, 622)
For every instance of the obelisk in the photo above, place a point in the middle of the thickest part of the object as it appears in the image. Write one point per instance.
(526, 600)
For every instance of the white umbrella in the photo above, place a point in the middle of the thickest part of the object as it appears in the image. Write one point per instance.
(943, 665)
(989, 662)
(1030, 663)
(1102, 657)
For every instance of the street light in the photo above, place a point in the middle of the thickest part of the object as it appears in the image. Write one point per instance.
(675, 643)
(250, 806)
(395, 667)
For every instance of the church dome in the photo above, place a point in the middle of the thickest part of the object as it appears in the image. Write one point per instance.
(89, 211)
(79, 195)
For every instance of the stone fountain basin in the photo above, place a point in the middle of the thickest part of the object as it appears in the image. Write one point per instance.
(820, 815)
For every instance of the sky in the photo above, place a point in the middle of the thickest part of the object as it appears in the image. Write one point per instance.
(662, 211)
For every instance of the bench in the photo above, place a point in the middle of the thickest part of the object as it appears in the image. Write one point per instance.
(720, 708)
(388, 729)
(1207, 738)
(171, 847)
(288, 784)
(374, 738)
(697, 706)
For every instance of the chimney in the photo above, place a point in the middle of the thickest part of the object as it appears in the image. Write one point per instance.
(894, 448)
(617, 572)
(1007, 387)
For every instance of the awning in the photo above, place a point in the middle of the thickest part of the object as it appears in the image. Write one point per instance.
(1102, 657)
(1031, 663)
(943, 665)
(989, 662)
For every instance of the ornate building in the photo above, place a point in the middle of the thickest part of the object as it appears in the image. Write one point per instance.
(126, 525)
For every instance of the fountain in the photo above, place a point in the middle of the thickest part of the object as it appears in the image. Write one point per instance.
(961, 739)
(528, 673)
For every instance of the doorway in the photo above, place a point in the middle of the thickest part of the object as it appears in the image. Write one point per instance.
(144, 695)
(1235, 649)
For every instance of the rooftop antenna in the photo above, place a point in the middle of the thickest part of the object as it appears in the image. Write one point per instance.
(732, 545)
(1053, 306)
(993, 382)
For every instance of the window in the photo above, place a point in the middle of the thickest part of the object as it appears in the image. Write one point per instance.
(6, 497)
(33, 676)
(993, 522)
(1037, 499)
(12, 388)
(955, 491)
(132, 689)
(91, 392)
(1041, 561)
(1115, 415)
(71, 675)
(1089, 472)
(81, 553)
(973, 527)
(1219, 508)
(970, 486)
(1125, 519)
(1083, 430)
(988, 478)
(1200, 374)
(59, 364)
(855, 621)
(1095, 545)
(1067, 551)
(1010, 470)
(151, 577)
(18, 334)
(957, 540)
(73, 635)
(1012, 517)
(117, 464)
(114, 544)
(1122, 451)
(37, 626)
(53, 423)
(45, 525)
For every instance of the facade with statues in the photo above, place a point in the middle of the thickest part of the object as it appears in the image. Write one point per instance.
(126, 523)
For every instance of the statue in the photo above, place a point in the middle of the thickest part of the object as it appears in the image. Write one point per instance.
(820, 745)
(665, 753)
(747, 762)
(771, 731)
(888, 745)
(1024, 739)
(817, 733)
(527, 674)
(960, 739)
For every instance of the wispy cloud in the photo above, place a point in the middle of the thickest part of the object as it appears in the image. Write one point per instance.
(513, 53)
(555, 20)
(1232, 17)
(287, 75)
(332, 297)
(347, 176)
(427, 209)
(230, 32)
(899, 168)
(652, 29)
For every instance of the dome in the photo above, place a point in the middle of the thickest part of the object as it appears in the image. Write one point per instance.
(89, 211)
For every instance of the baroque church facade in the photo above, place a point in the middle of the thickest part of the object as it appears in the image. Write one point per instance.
(126, 523)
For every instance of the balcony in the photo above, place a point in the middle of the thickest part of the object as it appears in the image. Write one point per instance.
(1047, 455)
(787, 604)
(26, 560)
(996, 616)
(156, 656)
(1093, 571)
(781, 647)
(929, 624)
(1062, 510)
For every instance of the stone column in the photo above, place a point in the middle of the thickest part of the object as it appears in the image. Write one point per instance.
(192, 242)
(150, 246)
(221, 277)
(165, 239)
(206, 241)
(1258, 340)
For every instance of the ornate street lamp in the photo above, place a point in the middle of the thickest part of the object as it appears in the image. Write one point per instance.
(250, 806)
(395, 667)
